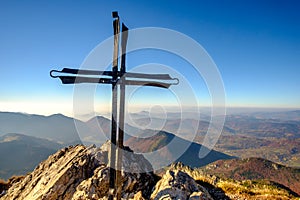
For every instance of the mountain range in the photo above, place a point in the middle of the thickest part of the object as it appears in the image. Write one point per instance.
(57, 127)
(263, 127)
(31, 149)
(292, 115)
(244, 135)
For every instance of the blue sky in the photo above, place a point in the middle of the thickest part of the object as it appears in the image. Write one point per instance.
(255, 44)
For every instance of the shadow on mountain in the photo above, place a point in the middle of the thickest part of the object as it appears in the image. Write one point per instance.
(163, 148)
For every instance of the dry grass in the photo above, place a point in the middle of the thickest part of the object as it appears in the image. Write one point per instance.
(247, 189)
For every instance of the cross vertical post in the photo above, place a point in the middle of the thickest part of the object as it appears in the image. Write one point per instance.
(112, 170)
(124, 38)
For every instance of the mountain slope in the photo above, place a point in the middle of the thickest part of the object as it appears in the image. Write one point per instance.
(20, 154)
(170, 148)
(280, 150)
(256, 169)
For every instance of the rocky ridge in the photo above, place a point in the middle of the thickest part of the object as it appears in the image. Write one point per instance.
(82, 173)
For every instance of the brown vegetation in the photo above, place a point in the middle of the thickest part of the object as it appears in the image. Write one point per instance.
(235, 189)
(256, 169)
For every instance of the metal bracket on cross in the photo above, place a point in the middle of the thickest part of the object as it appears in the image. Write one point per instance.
(117, 78)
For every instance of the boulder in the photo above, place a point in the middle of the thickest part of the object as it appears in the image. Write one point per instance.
(176, 184)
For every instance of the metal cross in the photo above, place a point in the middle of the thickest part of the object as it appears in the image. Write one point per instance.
(118, 79)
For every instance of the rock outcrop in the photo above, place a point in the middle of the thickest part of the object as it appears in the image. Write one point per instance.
(81, 172)
(176, 184)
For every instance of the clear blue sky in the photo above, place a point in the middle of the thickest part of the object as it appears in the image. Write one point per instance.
(255, 44)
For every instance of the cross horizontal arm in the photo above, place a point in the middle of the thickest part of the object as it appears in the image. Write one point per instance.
(148, 83)
(80, 79)
(109, 73)
(83, 72)
(148, 76)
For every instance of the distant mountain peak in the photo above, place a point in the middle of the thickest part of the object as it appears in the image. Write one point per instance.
(57, 115)
(99, 118)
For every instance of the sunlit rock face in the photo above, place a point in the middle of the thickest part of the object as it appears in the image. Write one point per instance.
(80, 172)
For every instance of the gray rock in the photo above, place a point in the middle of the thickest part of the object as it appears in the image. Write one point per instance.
(176, 184)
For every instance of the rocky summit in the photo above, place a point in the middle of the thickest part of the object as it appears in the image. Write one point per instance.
(82, 173)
